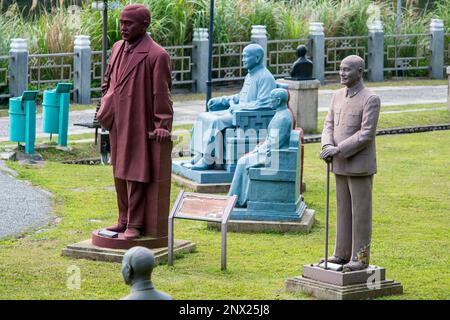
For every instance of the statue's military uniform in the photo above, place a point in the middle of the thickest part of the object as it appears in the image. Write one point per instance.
(350, 125)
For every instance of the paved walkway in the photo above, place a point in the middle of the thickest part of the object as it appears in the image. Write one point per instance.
(22, 206)
(187, 111)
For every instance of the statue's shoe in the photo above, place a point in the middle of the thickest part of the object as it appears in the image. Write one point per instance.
(202, 165)
(131, 233)
(334, 259)
(196, 158)
(354, 266)
(117, 228)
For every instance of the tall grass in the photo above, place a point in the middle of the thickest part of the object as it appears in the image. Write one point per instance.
(173, 20)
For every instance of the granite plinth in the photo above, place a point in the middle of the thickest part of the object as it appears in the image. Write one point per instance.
(304, 101)
(339, 278)
(270, 211)
(121, 243)
(86, 250)
(335, 285)
(303, 226)
(201, 187)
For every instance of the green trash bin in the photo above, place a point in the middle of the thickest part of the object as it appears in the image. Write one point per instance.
(22, 119)
(16, 120)
(50, 111)
(55, 114)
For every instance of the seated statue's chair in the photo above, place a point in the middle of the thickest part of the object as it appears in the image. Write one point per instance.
(275, 191)
(249, 129)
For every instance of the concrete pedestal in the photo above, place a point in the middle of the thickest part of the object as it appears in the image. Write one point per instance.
(304, 101)
(337, 285)
(302, 226)
(86, 250)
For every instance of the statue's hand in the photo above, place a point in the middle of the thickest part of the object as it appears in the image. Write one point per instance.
(161, 134)
(216, 104)
(233, 108)
(328, 153)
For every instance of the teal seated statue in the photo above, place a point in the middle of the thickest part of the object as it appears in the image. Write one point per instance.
(279, 132)
(207, 139)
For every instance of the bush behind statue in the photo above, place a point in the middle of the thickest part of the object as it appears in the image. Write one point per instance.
(174, 20)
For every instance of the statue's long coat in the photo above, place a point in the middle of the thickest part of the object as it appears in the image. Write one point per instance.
(136, 102)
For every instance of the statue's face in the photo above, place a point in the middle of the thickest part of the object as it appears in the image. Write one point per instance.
(350, 73)
(275, 99)
(250, 59)
(131, 30)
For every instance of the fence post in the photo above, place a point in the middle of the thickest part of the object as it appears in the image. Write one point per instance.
(376, 51)
(317, 49)
(200, 59)
(437, 49)
(259, 36)
(18, 67)
(82, 70)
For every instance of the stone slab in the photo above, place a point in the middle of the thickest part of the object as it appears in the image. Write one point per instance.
(207, 187)
(326, 291)
(201, 187)
(304, 226)
(202, 176)
(339, 278)
(86, 250)
(7, 156)
(272, 212)
(22, 156)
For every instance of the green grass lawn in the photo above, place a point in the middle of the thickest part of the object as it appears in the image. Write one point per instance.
(392, 120)
(410, 233)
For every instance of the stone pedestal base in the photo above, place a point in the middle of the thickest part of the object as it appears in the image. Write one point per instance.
(20, 156)
(207, 187)
(304, 101)
(121, 243)
(86, 250)
(201, 187)
(335, 285)
(304, 226)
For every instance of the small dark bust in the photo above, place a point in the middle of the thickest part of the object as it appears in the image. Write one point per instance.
(303, 67)
(137, 267)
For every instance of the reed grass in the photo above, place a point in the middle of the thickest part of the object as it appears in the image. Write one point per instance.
(173, 20)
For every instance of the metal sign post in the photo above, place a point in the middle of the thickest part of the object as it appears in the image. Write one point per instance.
(204, 207)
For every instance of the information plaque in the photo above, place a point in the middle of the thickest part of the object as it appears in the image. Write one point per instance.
(205, 207)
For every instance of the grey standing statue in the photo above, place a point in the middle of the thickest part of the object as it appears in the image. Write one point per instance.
(348, 138)
(137, 267)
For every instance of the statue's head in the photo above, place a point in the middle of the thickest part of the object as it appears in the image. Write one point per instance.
(137, 264)
(279, 97)
(351, 71)
(134, 21)
(252, 56)
(301, 51)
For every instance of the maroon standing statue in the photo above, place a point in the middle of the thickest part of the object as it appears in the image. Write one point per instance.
(136, 101)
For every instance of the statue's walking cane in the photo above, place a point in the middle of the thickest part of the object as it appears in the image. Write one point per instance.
(325, 264)
(327, 209)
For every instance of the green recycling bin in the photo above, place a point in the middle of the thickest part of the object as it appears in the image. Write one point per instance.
(55, 114)
(22, 119)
